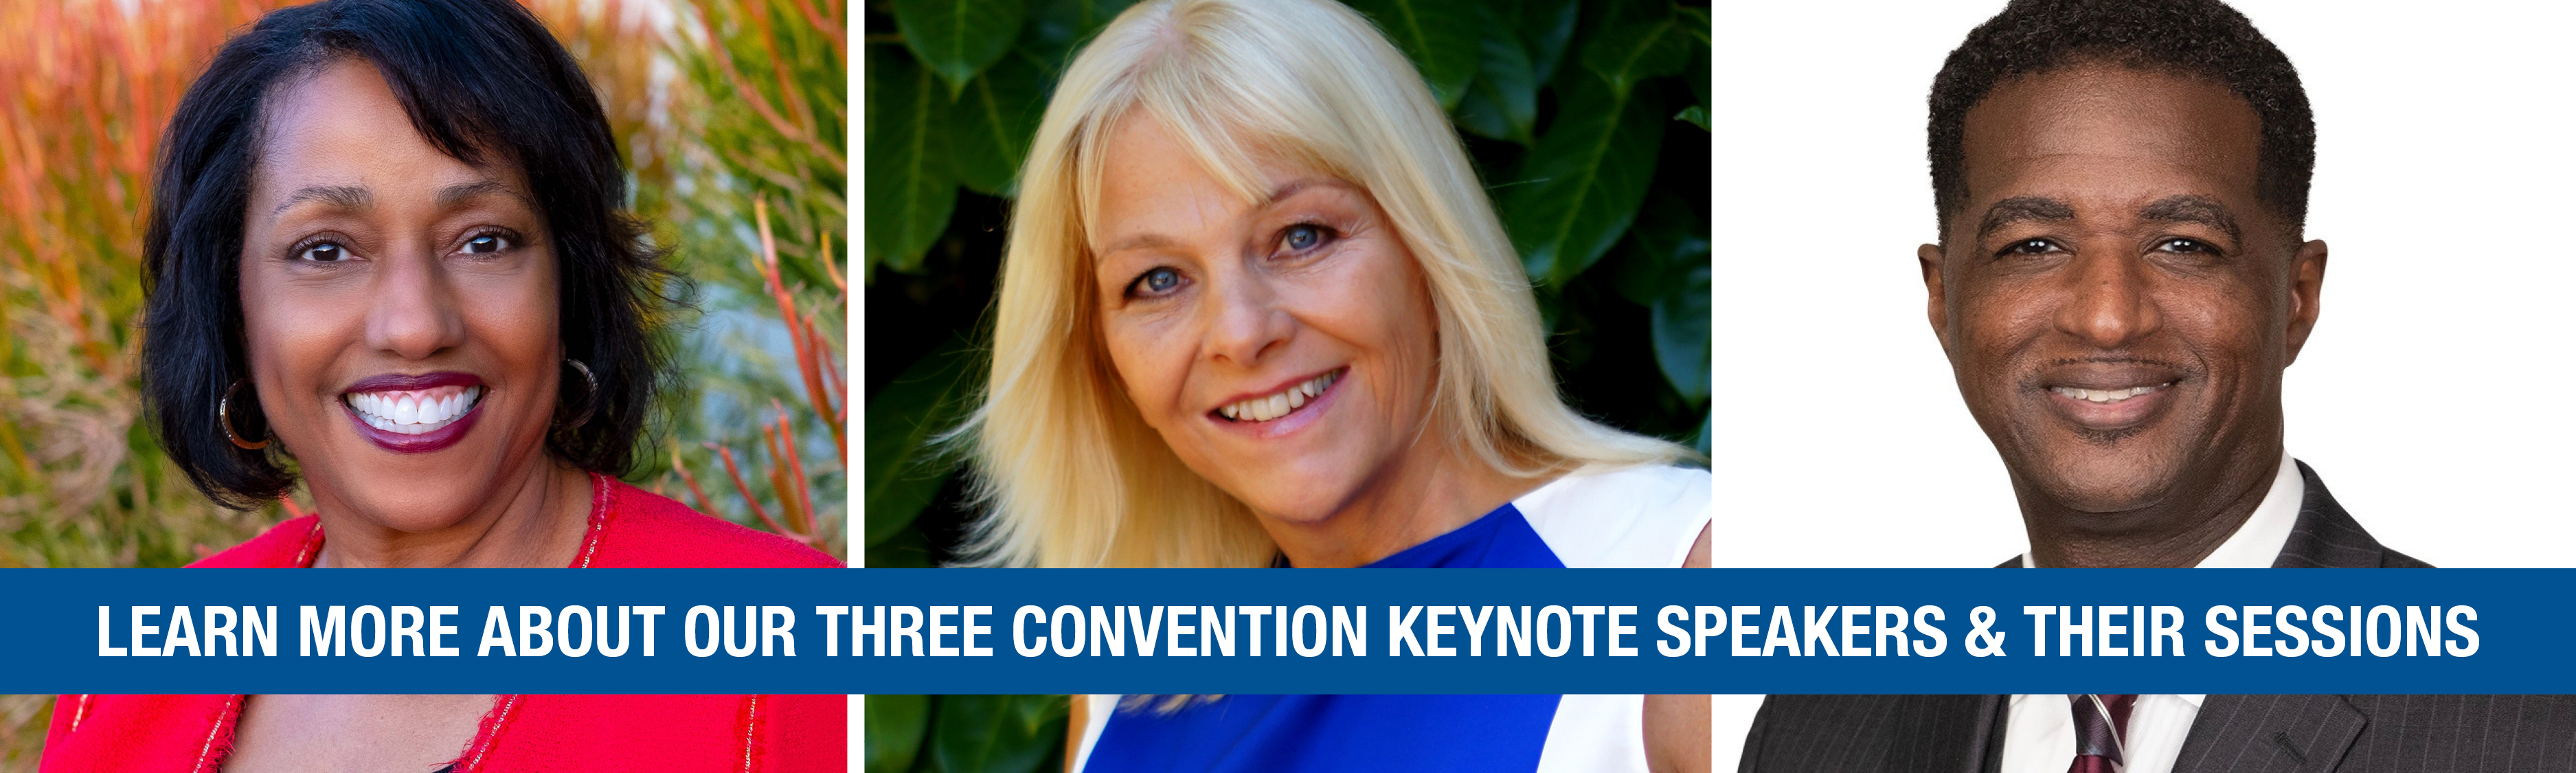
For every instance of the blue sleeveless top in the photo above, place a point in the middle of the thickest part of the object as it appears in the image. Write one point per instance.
(1263, 733)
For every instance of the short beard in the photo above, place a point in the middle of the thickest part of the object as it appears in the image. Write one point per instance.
(2107, 437)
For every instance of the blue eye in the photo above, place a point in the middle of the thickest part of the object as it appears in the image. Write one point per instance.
(1156, 281)
(1301, 237)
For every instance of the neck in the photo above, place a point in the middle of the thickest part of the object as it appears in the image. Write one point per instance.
(536, 521)
(1424, 495)
(2176, 532)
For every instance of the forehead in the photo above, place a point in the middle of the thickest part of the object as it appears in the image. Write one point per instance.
(342, 125)
(1154, 177)
(2104, 131)
(1145, 167)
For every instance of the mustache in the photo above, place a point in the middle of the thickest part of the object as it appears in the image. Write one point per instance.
(2032, 376)
(2113, 359)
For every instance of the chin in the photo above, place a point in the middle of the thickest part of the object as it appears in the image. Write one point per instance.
(2108, 483)
(1298, 499)
(1289, 504)
(420, 520)
(416, 512)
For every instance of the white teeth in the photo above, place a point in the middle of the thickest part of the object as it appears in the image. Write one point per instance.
(1272, 406)
(413, 413)
(2106, 395)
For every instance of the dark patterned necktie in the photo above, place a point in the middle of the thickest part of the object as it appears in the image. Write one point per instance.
(2101, 733)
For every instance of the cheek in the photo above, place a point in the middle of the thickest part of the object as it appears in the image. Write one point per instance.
(520, 317)
(1152, 357)
(1998, 320)
(290, 334)
(1383, 304)
(2239, 352)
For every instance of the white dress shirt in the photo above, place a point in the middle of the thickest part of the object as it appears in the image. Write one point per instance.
(2039, 736)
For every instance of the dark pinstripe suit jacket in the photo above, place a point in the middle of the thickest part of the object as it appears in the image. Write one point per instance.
(2237, 733)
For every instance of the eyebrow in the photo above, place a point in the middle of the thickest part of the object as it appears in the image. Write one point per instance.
(1291, 188)
(2192, 208)
(1141, 242)
(359, 197)
(452, 194)
(341, 196)
(2020, 209)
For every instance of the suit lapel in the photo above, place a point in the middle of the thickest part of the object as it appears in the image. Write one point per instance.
(2270, 734)
(2326, 537)
(1959, 733)
(1989, 754)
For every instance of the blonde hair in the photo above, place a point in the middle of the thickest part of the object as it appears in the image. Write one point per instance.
(1068, 472)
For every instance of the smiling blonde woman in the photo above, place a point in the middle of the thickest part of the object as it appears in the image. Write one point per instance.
(1258, 311)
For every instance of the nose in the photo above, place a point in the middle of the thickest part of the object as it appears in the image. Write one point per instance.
(1248, 322)
(2110, 304)
(414, 311)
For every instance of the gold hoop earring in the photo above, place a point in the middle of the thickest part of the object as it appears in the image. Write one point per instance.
(590, 394)
(224, 418)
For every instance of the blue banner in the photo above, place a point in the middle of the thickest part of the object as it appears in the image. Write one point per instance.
(1273, 631)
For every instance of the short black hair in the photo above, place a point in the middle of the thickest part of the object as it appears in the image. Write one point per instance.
(2199, 38)
(483, 82)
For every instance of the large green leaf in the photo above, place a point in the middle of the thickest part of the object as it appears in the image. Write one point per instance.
(1057, 27)
(996, 733)
(895, 727)
(907, 549)
(904, 467)
(959, 38)
(1546, 26)
(1694, 21)
(994, 120)
(1680, 325)
(911, 188)
(1668, 236)
(1666, 269)
(1627, 52)
(1580, 187)
(1707, 422)
(1438, 35)
(1037, 711)
(1502, 103)
(1701, 60)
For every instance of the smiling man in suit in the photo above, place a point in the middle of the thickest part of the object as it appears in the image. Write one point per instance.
(2121, 280)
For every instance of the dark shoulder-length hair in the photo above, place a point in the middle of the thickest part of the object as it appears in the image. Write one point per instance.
(485, 83)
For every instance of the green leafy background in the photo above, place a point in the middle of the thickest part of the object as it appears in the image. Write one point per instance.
(1588, 122)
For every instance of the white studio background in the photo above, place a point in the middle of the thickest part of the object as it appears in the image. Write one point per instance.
(2422, 399)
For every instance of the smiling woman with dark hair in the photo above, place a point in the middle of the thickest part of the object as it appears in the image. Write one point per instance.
(386, 256)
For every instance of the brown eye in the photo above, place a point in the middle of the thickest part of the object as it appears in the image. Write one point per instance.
(487, 243)
(2187, 246)
(325, 252)
(2030, 247)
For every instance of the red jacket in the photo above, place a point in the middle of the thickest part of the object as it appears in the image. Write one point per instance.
(629, 528)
